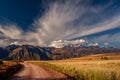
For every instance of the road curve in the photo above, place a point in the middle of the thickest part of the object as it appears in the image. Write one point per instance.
(34, 72)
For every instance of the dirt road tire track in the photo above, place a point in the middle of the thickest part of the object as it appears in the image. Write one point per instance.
(34, 72)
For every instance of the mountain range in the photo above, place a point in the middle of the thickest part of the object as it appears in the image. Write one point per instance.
(29, 52)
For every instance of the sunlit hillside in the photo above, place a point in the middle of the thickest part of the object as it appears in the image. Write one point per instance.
(109, 56)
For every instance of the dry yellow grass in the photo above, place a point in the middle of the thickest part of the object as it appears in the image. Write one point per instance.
(6, 64)
(92, 67)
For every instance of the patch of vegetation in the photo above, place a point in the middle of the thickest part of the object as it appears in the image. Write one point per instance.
(86, 69)
(1, 62)
(8, 68)
(104, 58)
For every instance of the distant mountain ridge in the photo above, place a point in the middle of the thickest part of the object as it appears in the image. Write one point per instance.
(29, 52)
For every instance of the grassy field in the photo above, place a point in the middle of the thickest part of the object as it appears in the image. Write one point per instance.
(92, 67)
(7, 68)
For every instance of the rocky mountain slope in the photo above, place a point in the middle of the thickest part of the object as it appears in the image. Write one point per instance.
(28, 52)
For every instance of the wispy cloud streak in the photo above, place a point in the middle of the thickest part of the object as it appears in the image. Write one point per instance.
(63, 20)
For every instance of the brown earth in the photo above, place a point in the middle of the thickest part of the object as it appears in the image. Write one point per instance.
(8, 68)
(34, 72)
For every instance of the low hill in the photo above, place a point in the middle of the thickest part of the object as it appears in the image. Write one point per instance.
(105, 56)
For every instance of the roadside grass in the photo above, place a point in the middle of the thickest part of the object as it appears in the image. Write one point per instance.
(8, 68)
(101, 69)
(91, 70)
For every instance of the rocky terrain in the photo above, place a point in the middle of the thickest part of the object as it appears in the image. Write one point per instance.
(28, 52)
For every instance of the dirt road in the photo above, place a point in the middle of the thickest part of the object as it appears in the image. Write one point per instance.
(34, 72)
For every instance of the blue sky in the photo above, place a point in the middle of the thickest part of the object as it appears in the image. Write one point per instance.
(22, 12)
(41, 22)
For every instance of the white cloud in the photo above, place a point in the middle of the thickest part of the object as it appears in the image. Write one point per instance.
(3, 43)
(62, 21)
(62, 43)
(10, 31)
(107, 25)
(105, 44)
(58, 22)
(107, 38)
(15, 43)
(93, 44)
